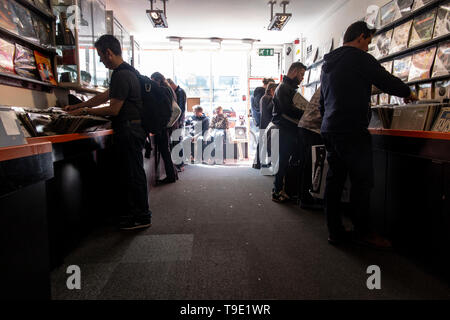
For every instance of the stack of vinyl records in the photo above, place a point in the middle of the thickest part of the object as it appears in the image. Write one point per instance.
(385, 114)
(55, 121)
(375, 121)
(414, 117)
(442, 121)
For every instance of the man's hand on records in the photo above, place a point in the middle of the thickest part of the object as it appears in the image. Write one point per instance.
(73, 107)
(411, 98)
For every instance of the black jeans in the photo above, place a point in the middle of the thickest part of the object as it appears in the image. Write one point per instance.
(128, 143)
(163, 147)
(287, 149)
(307, 139)
(348, 154)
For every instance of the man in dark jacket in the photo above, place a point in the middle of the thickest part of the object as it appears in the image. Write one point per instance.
(347, 77)
(256, 99)
(286, 117)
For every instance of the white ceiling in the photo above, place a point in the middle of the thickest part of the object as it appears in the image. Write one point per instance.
(220, 18)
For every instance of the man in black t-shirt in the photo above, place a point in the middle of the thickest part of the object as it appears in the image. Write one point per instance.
(125, 110)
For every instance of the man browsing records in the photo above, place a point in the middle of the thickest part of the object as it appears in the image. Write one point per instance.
(125, 110)
(346, 81)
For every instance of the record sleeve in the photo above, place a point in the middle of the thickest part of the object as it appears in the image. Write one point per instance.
(442, 61)
(388, 66)
(6, 56)
(404, 7)
(310, 57)
(24, 22)
(442, 26)
(316, 54)
(44, 67)
(421, 64)
(442, 90)
(374, 100)
(425, 91)
(388, 13)
(400, 37)
(384, 98)
(373, 48)
(410, 117)
(7, 16)
(43, 30)
(24, 63)
(306, 77)
(420, 3)
(422, 29)
(11, 133)
(371, 17)
(43, 5)
(384, 43)
(442, 123)
(401, 67)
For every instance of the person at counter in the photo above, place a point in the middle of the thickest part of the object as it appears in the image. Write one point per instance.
(346, 81)
(128, 141)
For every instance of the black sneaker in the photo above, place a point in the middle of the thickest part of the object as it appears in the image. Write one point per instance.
(279, 197)
(134, 225)
(165, 181)
(344, 237)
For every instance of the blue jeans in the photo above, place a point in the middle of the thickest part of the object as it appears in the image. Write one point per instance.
(288, 147)
(348, 154)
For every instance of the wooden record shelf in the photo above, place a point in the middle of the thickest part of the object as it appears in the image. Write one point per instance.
(25, 80)
(27, 42)
(36, 9)
(74, 86)
(408, 16)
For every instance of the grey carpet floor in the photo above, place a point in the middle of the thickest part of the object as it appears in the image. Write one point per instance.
(216, 234)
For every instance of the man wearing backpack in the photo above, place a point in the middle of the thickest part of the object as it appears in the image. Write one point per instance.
(125, 110)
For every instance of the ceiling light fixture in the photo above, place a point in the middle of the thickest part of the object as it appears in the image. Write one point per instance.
(158, 17)
(279, 20)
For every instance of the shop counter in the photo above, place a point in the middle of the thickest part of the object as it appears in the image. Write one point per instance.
(24, 248)
(411, 197)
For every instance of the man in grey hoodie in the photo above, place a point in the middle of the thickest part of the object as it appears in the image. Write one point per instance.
(346, 81)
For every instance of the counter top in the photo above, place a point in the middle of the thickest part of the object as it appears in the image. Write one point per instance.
(70, 137)
(412, 134)
(26, 150)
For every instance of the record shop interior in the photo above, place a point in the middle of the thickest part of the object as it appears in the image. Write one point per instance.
(216, 225)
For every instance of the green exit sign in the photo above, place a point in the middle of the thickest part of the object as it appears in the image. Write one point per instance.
(266, 52)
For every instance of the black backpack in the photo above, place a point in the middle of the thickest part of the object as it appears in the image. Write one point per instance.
(157, 105)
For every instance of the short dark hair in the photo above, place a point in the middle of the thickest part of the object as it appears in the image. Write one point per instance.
(271, 86)
(296, 66)
(198, 109)
(356, 29)
(267, 81)
(170, 81)
(110, 42)
(157, 76)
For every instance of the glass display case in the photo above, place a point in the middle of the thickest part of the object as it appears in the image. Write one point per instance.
(79, 24)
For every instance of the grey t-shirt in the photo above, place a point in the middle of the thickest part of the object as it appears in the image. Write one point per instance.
(125, 86)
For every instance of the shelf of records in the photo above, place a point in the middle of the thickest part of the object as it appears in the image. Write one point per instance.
(19, 123)
(425, 116)
(396, 12)
(18, 62)
(429, 28)
(23, 25)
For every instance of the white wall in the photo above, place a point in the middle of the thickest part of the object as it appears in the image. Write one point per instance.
(334, 23)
